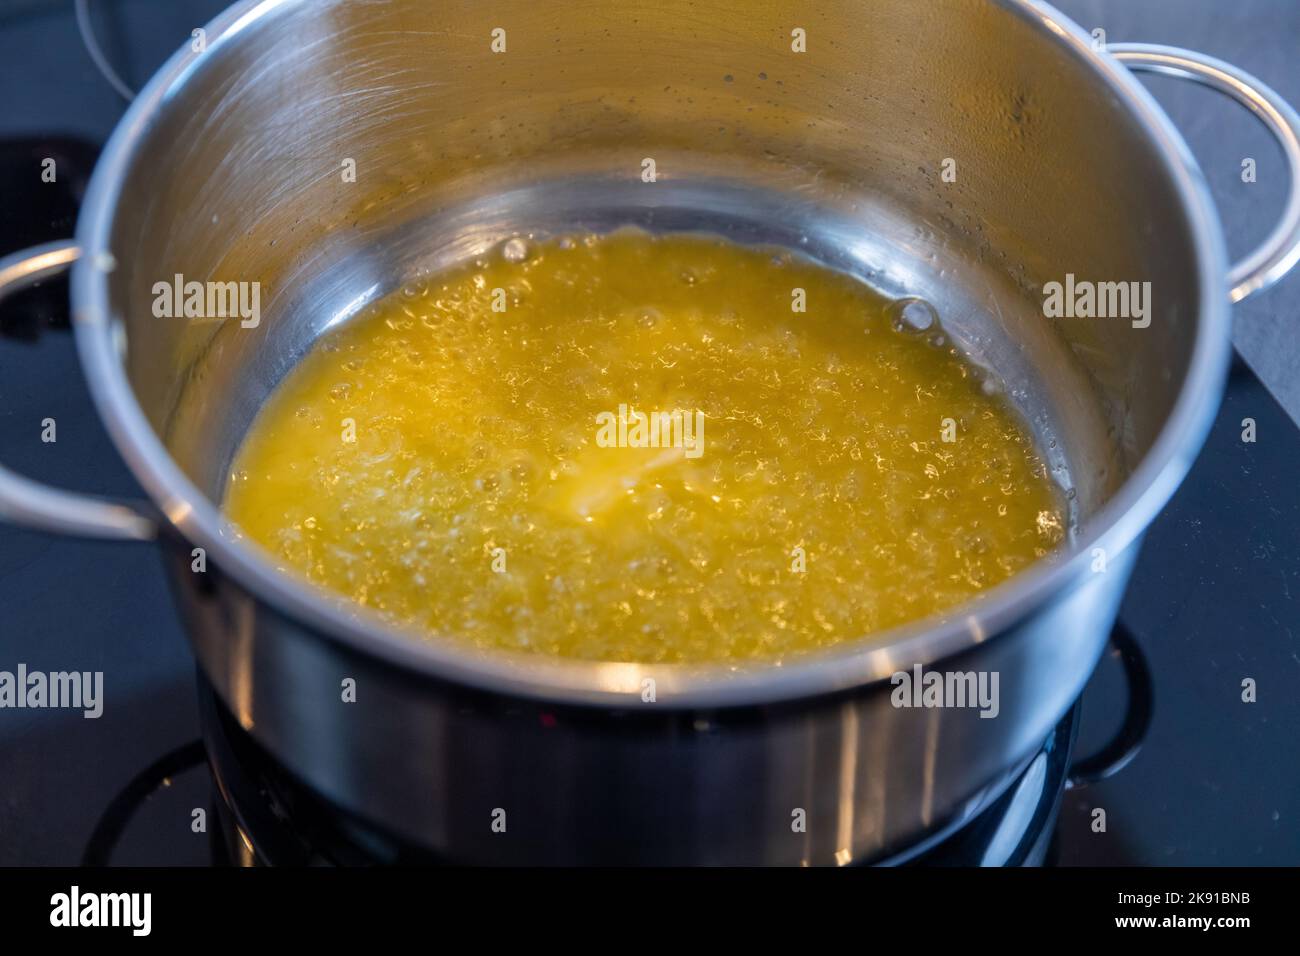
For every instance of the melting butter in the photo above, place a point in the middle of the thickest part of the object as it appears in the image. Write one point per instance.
(491, 456)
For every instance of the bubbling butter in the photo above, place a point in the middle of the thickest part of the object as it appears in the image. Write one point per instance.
(643, 448)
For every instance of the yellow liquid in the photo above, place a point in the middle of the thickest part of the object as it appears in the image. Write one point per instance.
(449, 466)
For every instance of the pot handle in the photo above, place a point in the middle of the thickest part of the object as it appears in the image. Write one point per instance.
(1124, 746)
(30, 504)
(1278, 253)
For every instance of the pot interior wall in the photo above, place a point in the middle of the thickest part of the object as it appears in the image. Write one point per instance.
(838, 151)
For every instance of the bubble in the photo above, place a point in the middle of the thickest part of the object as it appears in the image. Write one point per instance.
(515, 250)
(913, 315)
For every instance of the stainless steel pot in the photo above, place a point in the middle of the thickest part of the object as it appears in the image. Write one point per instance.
(232, 165)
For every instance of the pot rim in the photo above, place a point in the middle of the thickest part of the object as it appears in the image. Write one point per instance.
(1120, 522)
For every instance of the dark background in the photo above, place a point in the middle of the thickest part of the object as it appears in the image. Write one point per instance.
(1214, 599)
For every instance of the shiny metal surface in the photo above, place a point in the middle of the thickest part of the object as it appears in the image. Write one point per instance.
(227, 167)
(30, 266)
(28, 503)
(1277, 254)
